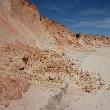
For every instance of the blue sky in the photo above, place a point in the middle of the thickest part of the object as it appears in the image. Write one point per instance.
(83, 16)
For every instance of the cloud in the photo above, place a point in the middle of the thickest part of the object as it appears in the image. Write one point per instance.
(103, 23)
(94, 11)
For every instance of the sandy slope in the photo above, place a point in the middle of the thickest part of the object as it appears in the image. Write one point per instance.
(48, 70)
(55, 98)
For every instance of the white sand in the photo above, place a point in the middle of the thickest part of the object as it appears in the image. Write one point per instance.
(98, 62)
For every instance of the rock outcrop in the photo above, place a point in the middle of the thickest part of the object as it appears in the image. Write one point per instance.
(94, 40)
(64, 37)
(61, 34)
(21, 21)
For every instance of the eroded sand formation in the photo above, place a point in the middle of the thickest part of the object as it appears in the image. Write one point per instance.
(44, 56)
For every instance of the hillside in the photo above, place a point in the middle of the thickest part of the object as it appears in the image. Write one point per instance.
(23, 23)
(20, 21)
(65, 37)
(43, 65)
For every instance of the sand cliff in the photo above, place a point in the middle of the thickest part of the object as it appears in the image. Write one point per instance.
(54, 62)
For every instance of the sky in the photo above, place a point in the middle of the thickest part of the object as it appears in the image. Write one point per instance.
(82, 16)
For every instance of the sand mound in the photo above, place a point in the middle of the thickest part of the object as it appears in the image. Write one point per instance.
(11, 88)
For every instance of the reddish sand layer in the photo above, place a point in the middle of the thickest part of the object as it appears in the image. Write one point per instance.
(12, 88)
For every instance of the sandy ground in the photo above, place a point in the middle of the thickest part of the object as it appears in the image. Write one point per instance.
(38, 98)
(99, 62)
(68, 96)
(96, 60)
